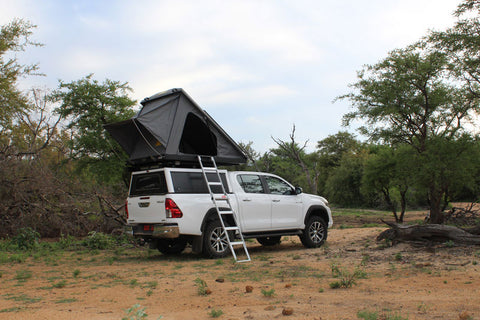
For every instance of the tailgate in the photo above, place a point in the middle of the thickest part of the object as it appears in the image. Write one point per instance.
(146, 209)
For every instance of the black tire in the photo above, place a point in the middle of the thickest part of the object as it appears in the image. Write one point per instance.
(315, 232)
(171, 246)
(269, 241)
(215, 242)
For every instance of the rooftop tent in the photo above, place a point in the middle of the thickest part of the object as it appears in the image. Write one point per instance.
(172, 127)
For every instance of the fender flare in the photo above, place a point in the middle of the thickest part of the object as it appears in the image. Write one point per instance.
(317, 210)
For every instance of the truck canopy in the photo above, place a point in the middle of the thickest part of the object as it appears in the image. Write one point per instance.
(172, 127)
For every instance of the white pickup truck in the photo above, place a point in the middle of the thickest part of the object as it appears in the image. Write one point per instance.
(170, 207)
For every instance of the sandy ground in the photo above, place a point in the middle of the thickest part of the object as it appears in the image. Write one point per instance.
(438, 282)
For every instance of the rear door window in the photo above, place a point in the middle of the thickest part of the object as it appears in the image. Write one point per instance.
(193, 182)
(152, 183)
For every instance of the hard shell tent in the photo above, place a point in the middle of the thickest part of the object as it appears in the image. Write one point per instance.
(172, 127)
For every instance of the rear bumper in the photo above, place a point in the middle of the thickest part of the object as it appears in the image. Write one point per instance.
(156, 231)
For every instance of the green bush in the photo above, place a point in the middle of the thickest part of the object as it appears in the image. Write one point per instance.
(215, 313)
(268, 293)
(67, 242)
(26, 239)
(137, 313)
(98, 240)
(201, 286)
(347, 278)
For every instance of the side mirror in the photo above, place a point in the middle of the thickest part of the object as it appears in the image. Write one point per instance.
(298, 190)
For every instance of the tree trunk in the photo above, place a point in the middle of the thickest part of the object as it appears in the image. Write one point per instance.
(429, 232)
(436, 214)
(388, 200)
(403, 203)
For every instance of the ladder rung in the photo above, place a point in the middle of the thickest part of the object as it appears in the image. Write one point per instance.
(215, 183)
(231, 228)
(210, 169)
(246, 260)
(221, 199)
(237, 243)
(226, 212)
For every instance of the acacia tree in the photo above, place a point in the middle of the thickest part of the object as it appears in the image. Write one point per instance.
(344, 181)
(87, 105)
(460, 44)
(36, 128)
(410, 97)
(332, 148)
(14, 38)
(389, 172)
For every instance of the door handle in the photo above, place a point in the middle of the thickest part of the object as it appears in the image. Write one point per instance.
(247, 200)
(276, 200)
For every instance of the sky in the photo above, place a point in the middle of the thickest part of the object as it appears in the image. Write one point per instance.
(258, 67)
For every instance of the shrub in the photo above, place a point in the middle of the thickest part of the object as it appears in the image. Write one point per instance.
(347, 278)
(68, 242)
(268, 293)
(201, 287)
(215, 313)
(137, 313)
(26, 239)
(98, 240)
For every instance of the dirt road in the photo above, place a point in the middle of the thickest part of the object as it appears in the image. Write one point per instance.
(440, 282)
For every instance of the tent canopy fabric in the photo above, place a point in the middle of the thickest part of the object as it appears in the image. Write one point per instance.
(172, 127)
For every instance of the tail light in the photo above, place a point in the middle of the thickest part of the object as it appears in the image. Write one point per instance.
(172, 210)
(126, 208)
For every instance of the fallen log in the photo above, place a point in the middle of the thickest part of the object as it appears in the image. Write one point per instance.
(428, 233)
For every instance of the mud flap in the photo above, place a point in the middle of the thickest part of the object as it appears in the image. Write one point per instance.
(197, 244)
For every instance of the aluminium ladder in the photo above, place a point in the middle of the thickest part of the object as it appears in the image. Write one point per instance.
(232, 231)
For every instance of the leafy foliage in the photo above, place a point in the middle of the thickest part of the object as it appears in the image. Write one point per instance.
(201, 286)
(87, 105)
(98, 240)
(347, 278)
(14, 37)
(136, 312)
(388, 171)
(411, 97)
(214, 313)
(26, 238)
(343, 185)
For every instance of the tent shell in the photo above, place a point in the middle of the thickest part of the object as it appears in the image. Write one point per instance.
(171, 128)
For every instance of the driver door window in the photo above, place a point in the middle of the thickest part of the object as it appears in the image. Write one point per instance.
(277, 186)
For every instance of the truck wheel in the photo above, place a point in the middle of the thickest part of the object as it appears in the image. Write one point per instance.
(215, 242)
(269, 241)
(315, 232)
(171, 246)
